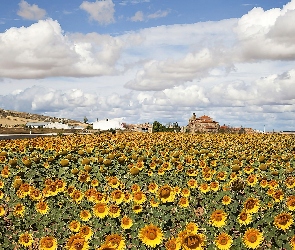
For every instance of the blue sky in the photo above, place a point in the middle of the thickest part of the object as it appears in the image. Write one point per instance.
(146, 60)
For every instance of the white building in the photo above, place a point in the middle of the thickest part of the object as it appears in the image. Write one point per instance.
(108, 124)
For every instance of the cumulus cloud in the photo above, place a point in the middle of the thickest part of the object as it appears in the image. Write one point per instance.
(100, 11)
(30, 12)
(43, 50)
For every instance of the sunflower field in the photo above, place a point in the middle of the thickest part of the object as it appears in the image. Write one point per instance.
(148, 191)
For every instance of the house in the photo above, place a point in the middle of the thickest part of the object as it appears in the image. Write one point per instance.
(108, 124)
(37, 124)
(202, 124)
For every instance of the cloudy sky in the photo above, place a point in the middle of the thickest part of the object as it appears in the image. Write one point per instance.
(147, 60)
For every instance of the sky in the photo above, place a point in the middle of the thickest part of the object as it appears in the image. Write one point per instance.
(151, 60)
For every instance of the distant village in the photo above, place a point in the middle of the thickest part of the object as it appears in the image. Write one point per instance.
(202, 124)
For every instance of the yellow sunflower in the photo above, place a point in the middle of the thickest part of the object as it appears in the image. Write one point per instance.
(139, 197)
(26, 239)
(185, 192)
(278, 195)
(223, 241)
(48, 243)
(153, 187)
(100, 210)
(172, 244)
(84, 176)
(116, 241)
(251, 205)
(204, 188)
(218, 218)
(166, 194)
(292, 242)
(191, 241)
(291, 202)
(2, 210)
(1, 194)
(42, 207)
(127, 197)
(114, 211)
(36, 194)
(221, 176)
(252, 180)
(137, 209)
(117, 196)
(113, 182)
(153, 202)
(244, 218)
(226, 200)
(290, 182)
(214, 186)
(85, 215)
(19, 210)
(151, 235)
(283, 221)
(183, 202)
(192, 227)
(126, 222)
(77, 196)
(77, 242)
(192, 183)
(253, 238)
(74, 226)
(86, 232)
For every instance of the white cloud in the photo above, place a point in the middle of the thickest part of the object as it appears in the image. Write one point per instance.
(158, 14)
(100, 11)
(138, 17)
(30, 12)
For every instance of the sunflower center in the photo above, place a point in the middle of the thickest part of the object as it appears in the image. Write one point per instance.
(243, 216)
(252, 237)
(250, 204)
(48, 243)
(218, 216)
(118, 195)
(26, 238)
(192, 241)
(165, 192)
(223, 241)
(283, 219)
(138, 196)
(151, 234)
(100, 209)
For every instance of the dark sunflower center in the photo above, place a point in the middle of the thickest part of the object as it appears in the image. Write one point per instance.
(192, 241)
(165, 192)
(252, 237)
(152, 234)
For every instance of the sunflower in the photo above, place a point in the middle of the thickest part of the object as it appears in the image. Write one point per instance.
(292, 242)
(77, 196)
(85, 215)
(192, 227)
(248, 169)
(204, 188)
(117, 196)
(114, 211)
(1, 184)
(226, 200)
(116, 241)
(291, 202)
(251, 205)
(185, 192)
(244, 218)
(214, 186)
(135, 188)
(139, 197)
(48, 243)
(283, 221)
(153, 202)
(278, 195)
(84, 176)
(42, 207)
(1, 194)
(106, 247)
(153, 187)
(192, 241)
(223, 241)
(218, 218)
(183, 202)
(86, 232)
(2, 210)
(94, 183)
(192, 183)
(221, 176)
(273, 184)
(100, 210)
(151, 235)
(126, 222)
(166, 194)
(90, 194)
(26, 239)
(36, 194)
(74, 226)
(127, 197)
(290, 182)
(19, 210)
(252, 238)
(264, 183)
(100, 197)
(137, 209)
(172, 244)
(113, 182)
(77, 242)
(25, 188)
(252, 180)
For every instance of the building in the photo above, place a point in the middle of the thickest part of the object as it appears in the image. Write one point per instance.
(202, 124)
(143, 127)
(37, 124)
(108, 124)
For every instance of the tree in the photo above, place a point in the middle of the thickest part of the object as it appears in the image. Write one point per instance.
(85, 119)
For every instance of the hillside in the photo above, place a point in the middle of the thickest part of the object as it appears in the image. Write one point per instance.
(13, 121)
